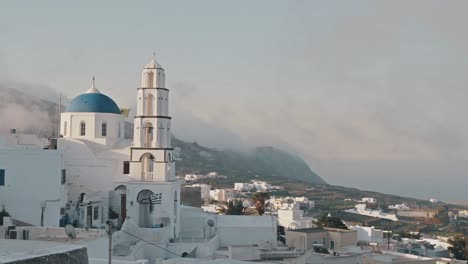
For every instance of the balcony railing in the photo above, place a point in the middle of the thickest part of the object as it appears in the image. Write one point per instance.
(147, 176)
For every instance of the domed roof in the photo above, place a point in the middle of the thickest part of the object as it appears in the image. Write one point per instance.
(153, 65)
(93, 102)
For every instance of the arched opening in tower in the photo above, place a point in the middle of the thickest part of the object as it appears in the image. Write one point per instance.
(147, 167)
(148, 135)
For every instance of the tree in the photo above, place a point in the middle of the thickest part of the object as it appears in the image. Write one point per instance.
(459, 247)
(2, 214)
(259, 199)
(330, 221)
(411, 235)
(233, 207)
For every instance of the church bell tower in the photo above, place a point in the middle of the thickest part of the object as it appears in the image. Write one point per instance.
(151, 155)
(153, 194)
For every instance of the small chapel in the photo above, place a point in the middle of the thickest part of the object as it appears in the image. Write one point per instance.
(150, 186)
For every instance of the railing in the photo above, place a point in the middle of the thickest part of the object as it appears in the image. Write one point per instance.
(147, 175)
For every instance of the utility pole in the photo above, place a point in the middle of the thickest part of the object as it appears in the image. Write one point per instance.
(388, 236)
(109, 232)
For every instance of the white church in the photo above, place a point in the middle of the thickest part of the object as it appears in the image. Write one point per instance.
(91, 175)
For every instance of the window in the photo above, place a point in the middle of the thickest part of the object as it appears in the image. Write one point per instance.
(324, 243)
(82, 128)
(65, 128)
(332, 244)
(104, 130)
(96, 213)
(2, 177)
(64, 176)
(118, 135)
(126, 167)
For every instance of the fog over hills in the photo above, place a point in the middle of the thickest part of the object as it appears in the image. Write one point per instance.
(32, 113)
(30, 110)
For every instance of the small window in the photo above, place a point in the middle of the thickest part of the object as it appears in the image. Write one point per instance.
(104, 130)
(96, 213)
(119, 133)
(2, 177)
(126, 167)
(65, 128)
(83, 128)
(64, 176)
(332, 244)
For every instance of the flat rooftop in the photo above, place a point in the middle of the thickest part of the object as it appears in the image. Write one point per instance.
(320, 229)
(14, 250)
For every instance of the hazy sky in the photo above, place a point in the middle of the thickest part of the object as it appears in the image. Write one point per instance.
(372, 94)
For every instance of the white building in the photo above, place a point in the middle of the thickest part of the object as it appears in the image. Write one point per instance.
(368, 200)
(304, 201)
(293, 218)
(399, 207)
(261, 186)
(368, 234)
(222, 195)
(33, 183)
(194, 177)
(463, 213)
(363, 210)
(242, 186)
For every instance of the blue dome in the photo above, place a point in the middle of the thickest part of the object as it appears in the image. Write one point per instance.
(93, 102)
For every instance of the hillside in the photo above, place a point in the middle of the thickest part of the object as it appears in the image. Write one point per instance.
(262, 162)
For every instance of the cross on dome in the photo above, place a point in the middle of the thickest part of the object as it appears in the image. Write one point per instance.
(93, 88)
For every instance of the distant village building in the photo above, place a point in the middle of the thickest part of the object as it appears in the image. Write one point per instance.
(222, 195)
(369, 200)
(260, 186)
(463, 213)
(293, 218)
(241, 186)
(363, 210)
(368, 234)
(328, 238)
(194, 177)
(399, 207)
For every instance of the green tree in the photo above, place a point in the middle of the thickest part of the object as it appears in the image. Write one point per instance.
(330, 221)
(2, 214)
(259, 199)
(410, 235)
(459, 247)
(233, 207)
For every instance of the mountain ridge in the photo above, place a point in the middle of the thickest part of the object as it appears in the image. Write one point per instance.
(264, 162)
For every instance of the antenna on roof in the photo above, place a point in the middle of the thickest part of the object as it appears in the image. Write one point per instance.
(93, 82)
